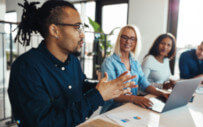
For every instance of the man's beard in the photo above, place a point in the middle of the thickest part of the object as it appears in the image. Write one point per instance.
(77, 51)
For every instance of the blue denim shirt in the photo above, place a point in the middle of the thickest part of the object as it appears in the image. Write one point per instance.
(114, 67)
(45, 92)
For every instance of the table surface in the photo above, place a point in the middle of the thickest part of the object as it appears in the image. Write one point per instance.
(190, 115)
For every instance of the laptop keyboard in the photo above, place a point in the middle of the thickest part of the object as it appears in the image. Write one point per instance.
(157, 105)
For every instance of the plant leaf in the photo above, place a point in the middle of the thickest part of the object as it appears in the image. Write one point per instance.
(95, 25)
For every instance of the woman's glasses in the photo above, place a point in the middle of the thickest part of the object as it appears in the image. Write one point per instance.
(126, 38)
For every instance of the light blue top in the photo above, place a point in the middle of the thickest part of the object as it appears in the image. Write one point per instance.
(155, 71)
(114, 67)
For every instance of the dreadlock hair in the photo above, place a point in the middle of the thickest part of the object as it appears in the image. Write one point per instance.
(38, 19)
(154, 50)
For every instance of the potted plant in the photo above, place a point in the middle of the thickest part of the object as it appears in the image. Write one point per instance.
(101, 48)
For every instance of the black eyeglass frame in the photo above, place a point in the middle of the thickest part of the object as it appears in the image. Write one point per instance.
(80, 29)
(126, 38)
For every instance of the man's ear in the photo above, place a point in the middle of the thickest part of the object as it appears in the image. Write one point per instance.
(53, 30)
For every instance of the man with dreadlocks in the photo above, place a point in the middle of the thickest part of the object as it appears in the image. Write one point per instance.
(47, 87)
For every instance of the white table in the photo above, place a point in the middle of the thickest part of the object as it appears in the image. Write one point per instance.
(190, 115)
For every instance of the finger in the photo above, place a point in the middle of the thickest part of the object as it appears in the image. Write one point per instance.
(142, 105)
(129, 93)
(126, 91)
(171, 85)
(124, 73)
(129, 84)
(127, 77)
(151, 102)
(147, 101)
(124, 77)
(166, 95)
(173, 82)
(147, 104)
(105, 77)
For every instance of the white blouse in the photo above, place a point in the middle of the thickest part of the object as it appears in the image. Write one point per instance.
(155, 71)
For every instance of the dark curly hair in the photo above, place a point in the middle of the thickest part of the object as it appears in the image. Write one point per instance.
(154, 50)
(38, 19)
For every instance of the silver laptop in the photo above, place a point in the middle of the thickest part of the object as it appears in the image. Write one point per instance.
(180, 96)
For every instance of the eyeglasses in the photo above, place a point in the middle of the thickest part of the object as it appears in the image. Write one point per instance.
(126, 38)
(78, 27)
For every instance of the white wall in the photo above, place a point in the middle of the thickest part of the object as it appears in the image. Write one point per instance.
(151, 18)
(2, 61)
(2, 13)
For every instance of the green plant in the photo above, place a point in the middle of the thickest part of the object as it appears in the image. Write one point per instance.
(104, 43)
(101, 48)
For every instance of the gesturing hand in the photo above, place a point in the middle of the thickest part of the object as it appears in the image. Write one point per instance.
(114, 88)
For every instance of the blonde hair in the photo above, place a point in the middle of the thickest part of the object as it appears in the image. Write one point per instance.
(137, 49)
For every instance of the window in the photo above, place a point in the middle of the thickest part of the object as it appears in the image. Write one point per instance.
(190, 27)
(114, 16)
(10, 17)
(190, 23)
(87, 9)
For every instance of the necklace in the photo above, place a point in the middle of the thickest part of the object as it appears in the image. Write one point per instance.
(126, 62)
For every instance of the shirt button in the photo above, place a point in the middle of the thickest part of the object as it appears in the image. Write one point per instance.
(56, 65)
(69, 87)
(62, 68)
(86, 118)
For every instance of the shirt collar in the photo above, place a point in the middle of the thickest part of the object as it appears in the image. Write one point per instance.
(43, 49)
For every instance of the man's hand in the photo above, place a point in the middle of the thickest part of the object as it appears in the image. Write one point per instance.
(142, 101)
(114, 88)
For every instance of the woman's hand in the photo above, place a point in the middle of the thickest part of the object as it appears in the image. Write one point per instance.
(142, 101)
(169, 84)
(166, 95)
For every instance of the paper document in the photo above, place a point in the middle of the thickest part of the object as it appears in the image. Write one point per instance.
(128, 119)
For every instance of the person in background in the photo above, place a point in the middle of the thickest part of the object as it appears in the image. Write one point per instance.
(156, 66)
(191, 63)
(126, 51)
(47, 87)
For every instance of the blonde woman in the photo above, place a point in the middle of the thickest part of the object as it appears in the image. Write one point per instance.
(124, 58)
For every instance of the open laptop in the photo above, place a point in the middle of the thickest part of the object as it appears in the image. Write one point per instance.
(180, 95)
